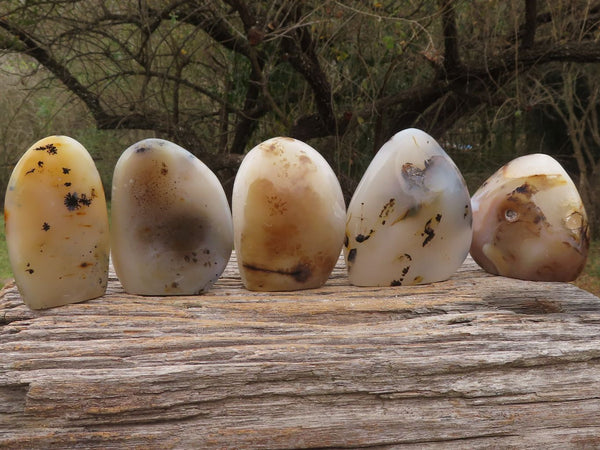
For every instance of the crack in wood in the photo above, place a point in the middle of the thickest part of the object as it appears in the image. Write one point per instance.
(477, 359)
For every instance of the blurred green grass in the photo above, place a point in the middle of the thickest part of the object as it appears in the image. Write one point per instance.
(5, 270)
(589, 280)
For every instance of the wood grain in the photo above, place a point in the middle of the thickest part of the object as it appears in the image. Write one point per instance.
(475, 361)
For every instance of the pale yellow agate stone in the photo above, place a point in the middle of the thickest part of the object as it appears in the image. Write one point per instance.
(57, 224)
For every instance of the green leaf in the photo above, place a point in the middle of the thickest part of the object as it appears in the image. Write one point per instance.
(389, 42)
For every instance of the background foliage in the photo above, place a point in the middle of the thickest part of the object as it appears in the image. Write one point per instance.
(489, 79)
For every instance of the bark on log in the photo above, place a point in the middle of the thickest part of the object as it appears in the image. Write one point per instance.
(478, 360)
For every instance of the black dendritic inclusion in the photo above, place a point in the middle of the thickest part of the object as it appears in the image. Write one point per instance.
(66, 171)
(193, 258)
(526, 189)
(84, 200)
(352, 255)
(50, 149)
(301, 272)
(386, 210)
(45, 226)
(399, 281)
(363, 237)
(428, 231)
(74, 201)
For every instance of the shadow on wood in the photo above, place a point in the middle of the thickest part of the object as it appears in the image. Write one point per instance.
(477, 360)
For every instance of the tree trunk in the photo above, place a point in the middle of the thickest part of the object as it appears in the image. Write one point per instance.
(478, 360)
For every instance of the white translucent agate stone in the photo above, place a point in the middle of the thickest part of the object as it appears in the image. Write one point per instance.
(409, 221)
(171, 225)
(57, 224)
(288, 215)
(529, 222)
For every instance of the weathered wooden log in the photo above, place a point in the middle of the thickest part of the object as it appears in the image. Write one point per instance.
(478, 360)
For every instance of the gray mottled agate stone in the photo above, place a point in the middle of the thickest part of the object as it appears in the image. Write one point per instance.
(171, 224)
(409, 221)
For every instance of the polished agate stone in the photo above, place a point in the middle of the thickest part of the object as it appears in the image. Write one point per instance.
(171, 223)
(409, 220)
(529, 222)
(288, 216)
(57, 224)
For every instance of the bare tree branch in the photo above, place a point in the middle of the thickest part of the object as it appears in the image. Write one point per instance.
(299, 50)
(530, 23)
(231, 71)
(35, 50)
(452, 62)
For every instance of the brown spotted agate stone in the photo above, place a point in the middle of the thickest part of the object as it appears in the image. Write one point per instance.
(288, 215)
(529, 222)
